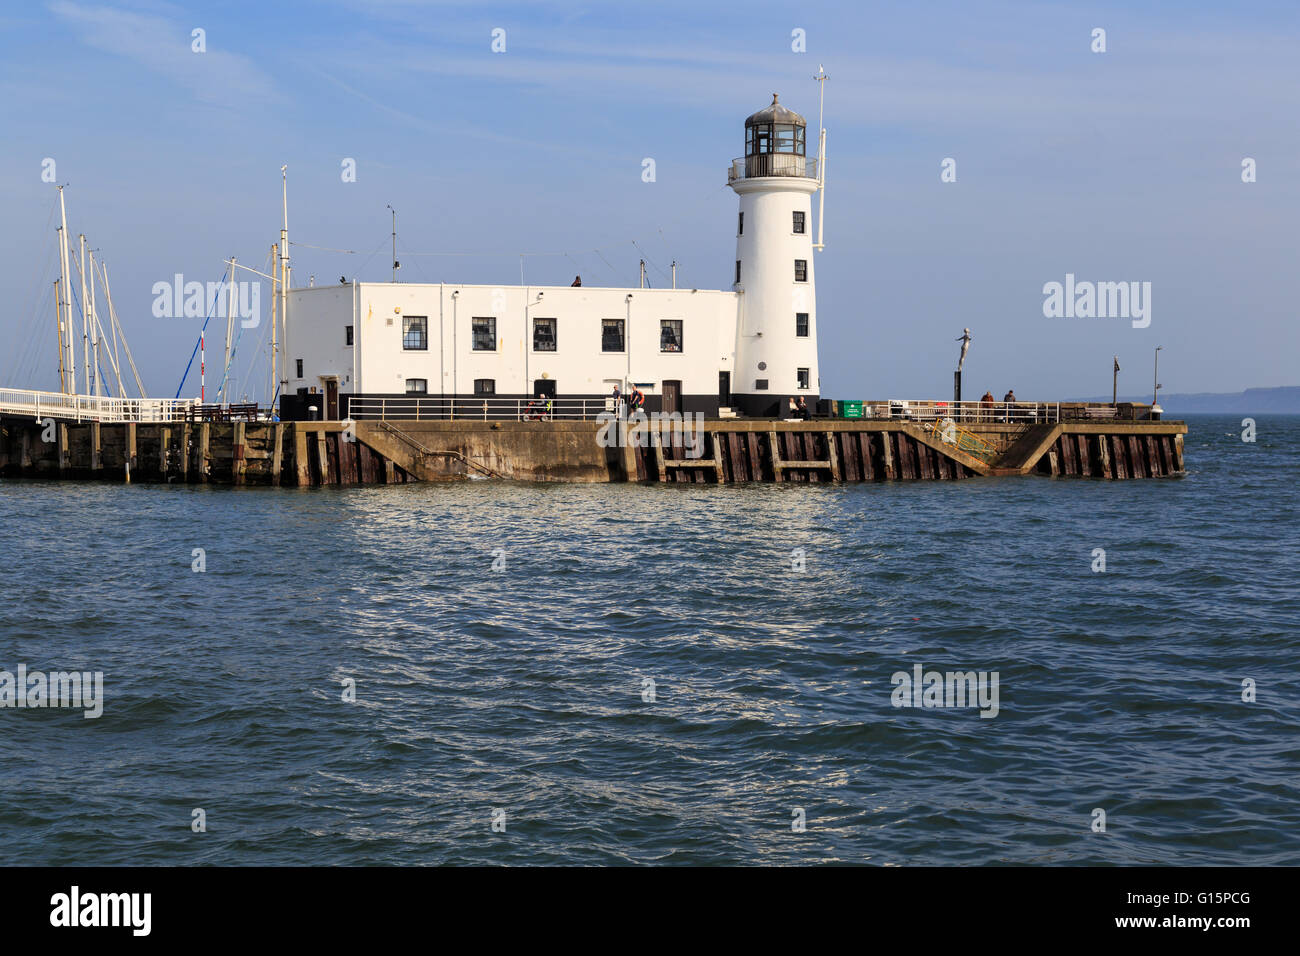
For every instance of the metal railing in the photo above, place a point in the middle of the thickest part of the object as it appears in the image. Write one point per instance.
(1033, 413)
(487, 409)
(772, 164)
(93, 408)
(950, 433)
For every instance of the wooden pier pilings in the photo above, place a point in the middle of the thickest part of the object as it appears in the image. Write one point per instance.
(312, 454)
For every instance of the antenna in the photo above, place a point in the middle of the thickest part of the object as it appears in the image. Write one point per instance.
(396, 265)
(821, 160)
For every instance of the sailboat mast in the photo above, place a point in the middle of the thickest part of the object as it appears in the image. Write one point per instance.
(58, 327)
(230, 323)
(117, 356)
(85, 319)
(284, 265)
(94, 327)
(67, 293)
(274, 340)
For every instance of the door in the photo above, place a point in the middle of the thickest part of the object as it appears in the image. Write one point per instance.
(544, 387)
(332, 399)
(724, 389)
(672, 397)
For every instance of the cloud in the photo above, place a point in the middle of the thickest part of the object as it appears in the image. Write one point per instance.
(163, 46)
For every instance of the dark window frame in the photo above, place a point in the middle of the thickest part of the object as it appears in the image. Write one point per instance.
(419, 390)
(760, 385)
(605, 335)
(554, 325)
(299, 368)
(484, 387)
(801, 270)
(803, 378)
(801, 325)
(478, 335)
(347, 335)
(677, 328)
(799, 223)
(421, 332)
(737, 272)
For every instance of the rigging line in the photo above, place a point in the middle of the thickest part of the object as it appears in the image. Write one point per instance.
(350, 252)
(616, 274)
(189, 365)
(36, 289)
(649, 260)
(382, 242)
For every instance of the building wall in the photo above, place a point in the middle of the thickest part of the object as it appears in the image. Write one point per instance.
(316, 333)
(450, 364)
(767, 250)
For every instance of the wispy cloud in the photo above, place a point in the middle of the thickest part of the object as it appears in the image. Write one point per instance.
(162, 45)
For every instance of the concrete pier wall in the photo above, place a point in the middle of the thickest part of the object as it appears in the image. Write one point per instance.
(305, 454)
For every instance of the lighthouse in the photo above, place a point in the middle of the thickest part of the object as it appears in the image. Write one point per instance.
(776, 334)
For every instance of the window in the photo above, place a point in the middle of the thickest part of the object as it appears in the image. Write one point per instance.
(803, 377)
(737, 271)
(798, 223)
(801, 324)
(801, 270)
(611, 335)
(299, 362)
(740, 229)
(485, 333)
(417, 386)
(760, 385)
(543, 335)
(415, 332)
(670, 335)
(347, 332)
(485, 386)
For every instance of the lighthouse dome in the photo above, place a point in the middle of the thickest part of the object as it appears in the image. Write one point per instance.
(776, 113)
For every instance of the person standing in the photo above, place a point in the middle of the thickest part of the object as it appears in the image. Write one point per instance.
(618, 402)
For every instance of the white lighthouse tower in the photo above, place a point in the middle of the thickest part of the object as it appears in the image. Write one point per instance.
(776, 337)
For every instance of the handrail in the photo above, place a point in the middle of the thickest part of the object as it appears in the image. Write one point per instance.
(421, 407)
(97, 408)
(388, 426)
(950, 433)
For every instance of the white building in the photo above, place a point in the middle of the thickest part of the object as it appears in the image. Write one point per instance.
(691, 350)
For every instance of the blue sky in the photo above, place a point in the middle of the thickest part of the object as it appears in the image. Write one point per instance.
(1123, 165)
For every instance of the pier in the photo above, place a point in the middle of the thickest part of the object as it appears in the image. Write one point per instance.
(163, 441)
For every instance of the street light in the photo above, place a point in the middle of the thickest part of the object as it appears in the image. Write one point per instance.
(1155, 378)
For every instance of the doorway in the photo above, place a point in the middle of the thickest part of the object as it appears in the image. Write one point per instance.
(672, 397)
(724, 389)
(332, 399)
(544, 387)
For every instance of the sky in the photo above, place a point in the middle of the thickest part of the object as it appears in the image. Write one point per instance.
(1122, 165)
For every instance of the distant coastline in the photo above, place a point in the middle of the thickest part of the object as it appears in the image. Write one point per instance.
(1283, 400)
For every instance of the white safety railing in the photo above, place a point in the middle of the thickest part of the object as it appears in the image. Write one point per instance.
(92, 408)
(965, 412)
(422, 408)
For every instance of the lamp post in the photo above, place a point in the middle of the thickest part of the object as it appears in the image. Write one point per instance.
(1114, 384)
(1155, 378)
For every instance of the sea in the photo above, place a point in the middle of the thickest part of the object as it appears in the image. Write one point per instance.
(497, 673)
